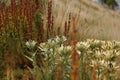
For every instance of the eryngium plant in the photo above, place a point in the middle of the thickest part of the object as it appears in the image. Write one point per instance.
(99, 55)
(98, 59)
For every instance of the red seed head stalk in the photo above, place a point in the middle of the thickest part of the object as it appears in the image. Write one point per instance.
(49, 18)
(6, 16)
(59, 71)
(1, 16)
(69, 21)
(36, 4)
(75, 60)
(52, 24)
(68, 26)
(58, 30)
(65, 29)
(13, 12)
(0, 21)
(28, 14)
(94, 72)
(21, 9)
(13, 7)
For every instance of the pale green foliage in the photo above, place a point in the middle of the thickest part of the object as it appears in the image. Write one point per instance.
(103, 54)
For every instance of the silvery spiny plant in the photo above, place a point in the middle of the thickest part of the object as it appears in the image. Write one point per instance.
(103, 54)
(50, 50)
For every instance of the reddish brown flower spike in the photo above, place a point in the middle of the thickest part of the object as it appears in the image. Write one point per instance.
(75, 60)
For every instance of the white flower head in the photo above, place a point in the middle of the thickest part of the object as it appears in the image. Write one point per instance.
(116, 53)
(96, 41)
(51, 42)
(108, 54)
(60, 39)
(98, 53)
(64, 50)
(82, 46)
(95, 44)
(43, 47)
(93, 62)
(31, 44)
(78, 52)
(103, 63)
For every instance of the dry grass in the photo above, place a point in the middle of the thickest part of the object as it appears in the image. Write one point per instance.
(97, 21)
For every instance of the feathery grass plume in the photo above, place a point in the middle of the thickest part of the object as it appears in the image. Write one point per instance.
(75, 61)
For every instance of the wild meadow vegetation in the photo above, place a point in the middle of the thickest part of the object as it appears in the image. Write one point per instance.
(33, 46)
